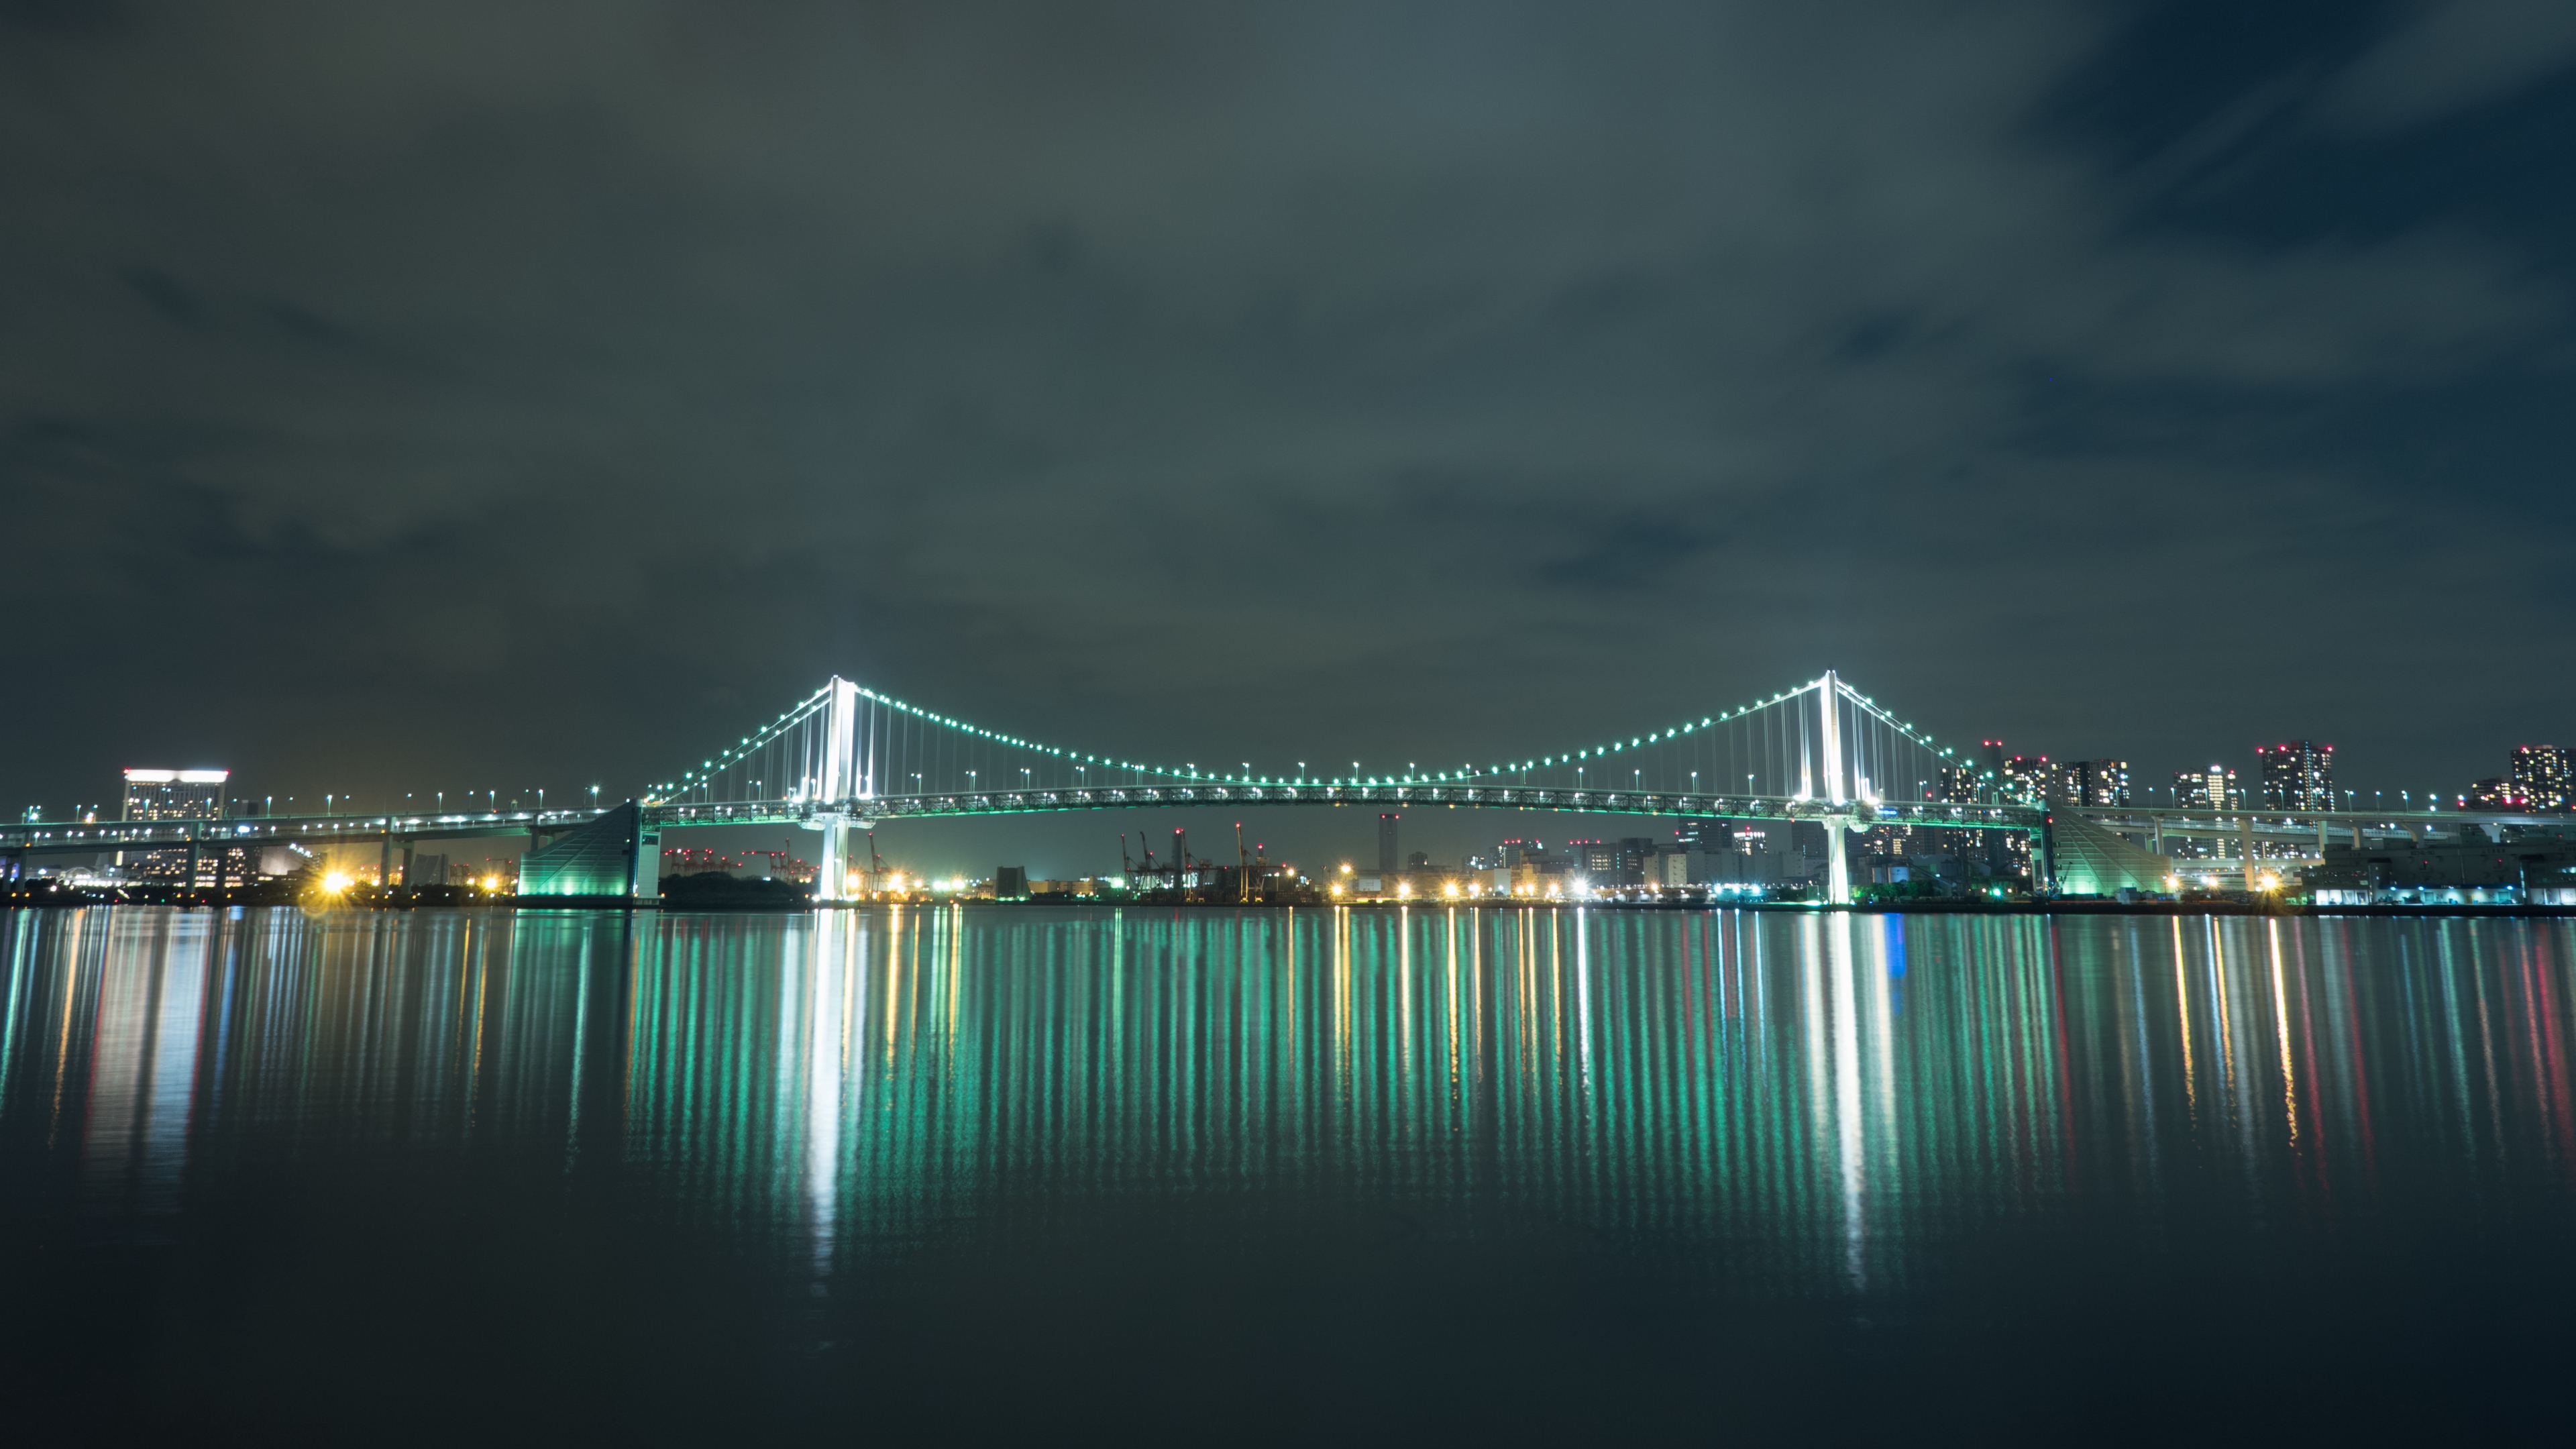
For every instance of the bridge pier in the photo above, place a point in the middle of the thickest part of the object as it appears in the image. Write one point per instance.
(644, 861)
(1838, 882)
(832, 871)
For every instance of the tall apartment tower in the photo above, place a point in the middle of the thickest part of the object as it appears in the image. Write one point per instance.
(175, 794)
(2089, 782)
(2296, 776)
(2214, 788)
(1388, 862)
(171, 795)
(2541, 776)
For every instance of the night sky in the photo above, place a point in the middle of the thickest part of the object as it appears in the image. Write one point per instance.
(464, 396)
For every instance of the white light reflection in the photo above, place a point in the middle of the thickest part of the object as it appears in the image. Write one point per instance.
(1847, 1123)
(144, 1074)
(831, 1025)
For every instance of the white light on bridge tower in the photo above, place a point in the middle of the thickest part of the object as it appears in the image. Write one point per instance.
(840, 742)
(1837, 820)
(839, 789)
(1830, 690)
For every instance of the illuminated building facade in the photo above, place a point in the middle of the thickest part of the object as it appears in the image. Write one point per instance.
(2097, 783)
(2025, 780)
(2213, 788)
(178, 795)
(2496, 792)
(2296, 776)
(2545, 776)
(175, 794)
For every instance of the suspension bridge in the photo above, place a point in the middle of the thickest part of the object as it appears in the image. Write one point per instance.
(847, 758)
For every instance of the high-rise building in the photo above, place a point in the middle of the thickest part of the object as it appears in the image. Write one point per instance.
(2296, 776)
(2545, 776)
(2213, 788)
(1387, 860)
(174, 795)
(2498, 792)
(2025, 780)
(1963, 785)
(2096, 783)
(1704, 834)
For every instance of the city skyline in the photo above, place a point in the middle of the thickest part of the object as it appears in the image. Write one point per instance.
(1296, 722)
(963, 847)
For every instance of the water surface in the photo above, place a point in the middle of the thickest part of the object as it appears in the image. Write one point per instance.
(1337, 1174)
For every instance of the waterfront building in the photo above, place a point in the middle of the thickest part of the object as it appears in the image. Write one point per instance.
(2298, 775)
(177, 795)
(1960, 785)
(2545, 776)
(2497, 792)
(2096, 783)
(1705, 835)
(1666, 869)
(2462, 873)
(2213, 788)
(2025, 780)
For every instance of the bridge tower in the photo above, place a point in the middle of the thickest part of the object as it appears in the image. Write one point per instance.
(840, 788)
(1839, 819)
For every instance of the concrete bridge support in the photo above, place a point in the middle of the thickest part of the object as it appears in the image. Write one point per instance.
(645, 881)
(832, 870)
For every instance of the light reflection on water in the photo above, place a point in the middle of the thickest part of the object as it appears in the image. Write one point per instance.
(1822, 1087)
(1312, 1175)
(1810, 1099)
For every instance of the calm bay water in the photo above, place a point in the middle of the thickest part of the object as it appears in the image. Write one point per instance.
(1313, 1174)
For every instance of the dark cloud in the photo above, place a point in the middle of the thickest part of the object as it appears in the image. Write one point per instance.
(540, 390)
